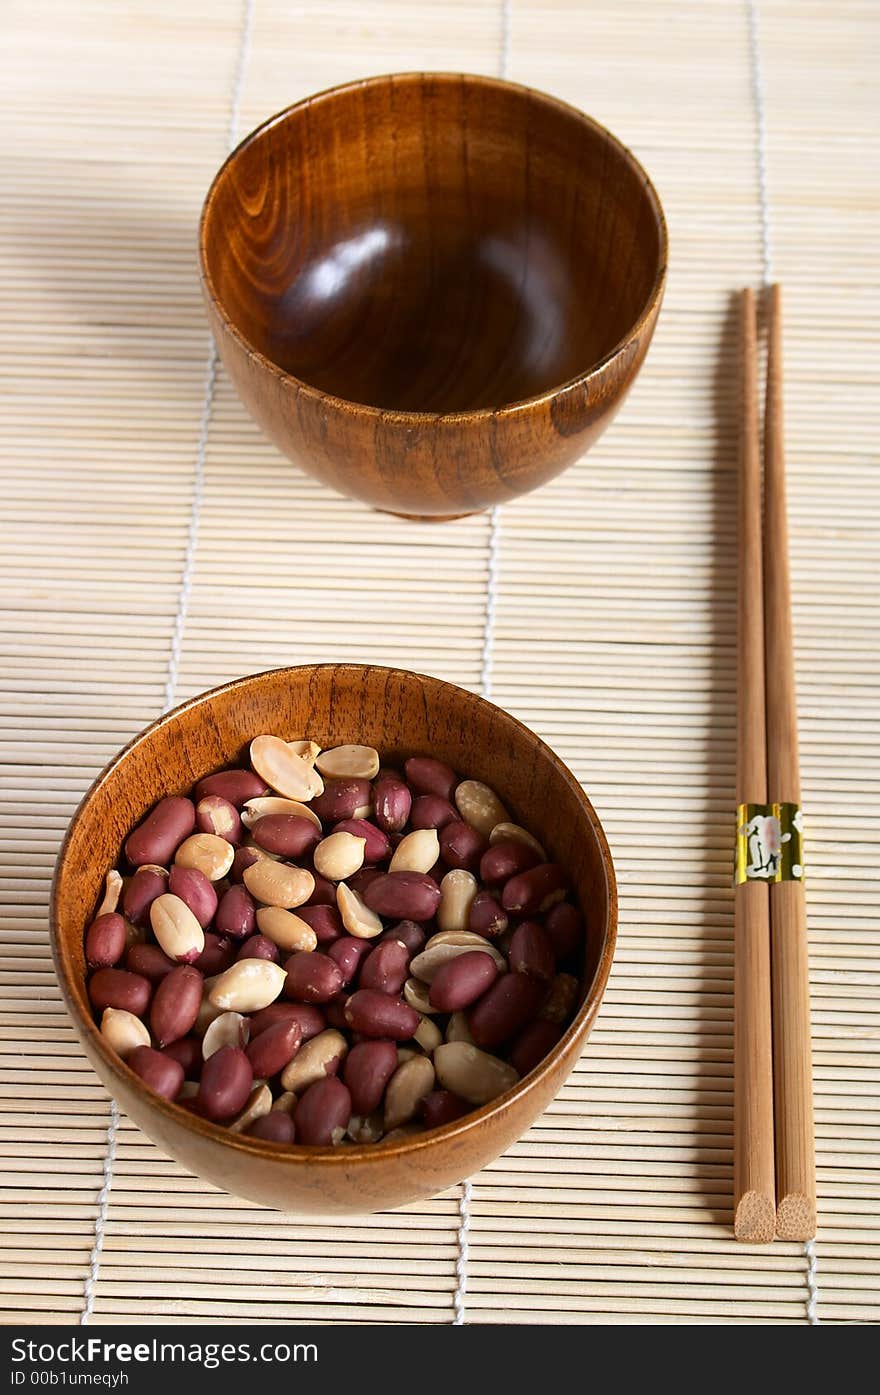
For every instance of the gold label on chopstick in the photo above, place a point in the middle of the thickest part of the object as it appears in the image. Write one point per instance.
(769, 843)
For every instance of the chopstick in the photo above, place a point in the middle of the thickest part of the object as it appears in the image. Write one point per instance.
(792, 1054)
(754, 1186)
(773, 1102)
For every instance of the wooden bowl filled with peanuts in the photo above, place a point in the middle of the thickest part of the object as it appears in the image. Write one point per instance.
(335, 935)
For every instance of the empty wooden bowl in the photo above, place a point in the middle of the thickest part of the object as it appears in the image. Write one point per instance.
(432, 291)
(400, 713)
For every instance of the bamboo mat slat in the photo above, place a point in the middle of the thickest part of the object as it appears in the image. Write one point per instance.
(613, 635)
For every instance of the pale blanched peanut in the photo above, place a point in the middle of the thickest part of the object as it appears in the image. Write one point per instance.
(277, 884)
(285, 1103)
(229, 1029)
(176, 928)
(415, 991)
(480, 806)
(339, 856)
(306, 750)
(259, 1103)
(208, 1012)
(283, 770)
(428, 1035)
(447, 945)
(457, 891)
(347, 762)
(417, 852)
(515, 833)
(472, 1074)
(561, 1000)
(405, 1091)
(248, 985)
(406, 1053)
(365, 1128)
(112, 893)
(208, 853)
(285, 929)
(314, 1060)
(356, 915)
(123, 1031)
(457, 1029)
(267, 804)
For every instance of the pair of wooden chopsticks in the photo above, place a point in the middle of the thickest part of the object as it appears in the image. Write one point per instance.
(774, 1164)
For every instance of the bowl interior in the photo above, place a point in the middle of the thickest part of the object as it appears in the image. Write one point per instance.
(398, 712)
(432, 243)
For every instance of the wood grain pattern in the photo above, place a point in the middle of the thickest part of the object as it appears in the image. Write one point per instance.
(754, 1187)
(792, 1046)
(432, 291)
(401, 714)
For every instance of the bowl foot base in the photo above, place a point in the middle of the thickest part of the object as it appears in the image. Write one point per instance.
(430, 517)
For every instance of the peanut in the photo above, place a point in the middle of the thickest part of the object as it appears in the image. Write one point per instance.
(196, 891)
(276, 884)
(392, 802)
(258, 1106)
(285, 835)
(358, 919)
(214, 814)
(229, 1029)
(562, 998)
(270, 804)
(306, 750)
(415, 991)
(428, 1035)
(346, 762)
(480, 806)
(226, 1083)
(472, 1074)
(207, 853)
(427, 775)
(448, 944)
(283, 770)
(403, 896)
(176, 1004)
(176, 928)
(159, 1073)
(158, 837)
(339, 856)
(417, 852)
(123, 1031)
(250, 984)
(321, 1056)
(285, 929)
(368, 1068)
(462, 980)
(406, 1089)
(457, 891)
(504, 832)
(323, 1113)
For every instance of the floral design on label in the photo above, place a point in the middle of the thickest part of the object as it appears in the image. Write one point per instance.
(769, 843)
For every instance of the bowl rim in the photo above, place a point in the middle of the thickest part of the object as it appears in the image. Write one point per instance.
(480, 414)
(299, 1155)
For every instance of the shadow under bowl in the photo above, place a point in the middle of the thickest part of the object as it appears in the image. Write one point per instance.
(400, 713)
(432, 291)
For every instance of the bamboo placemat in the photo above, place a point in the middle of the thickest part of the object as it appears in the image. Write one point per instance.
(154, 544)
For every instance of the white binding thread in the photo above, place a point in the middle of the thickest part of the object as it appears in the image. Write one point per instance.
(757, 69)
(186, 580)
(461, 1265)
(812, 1283)
(91, 1283)
(758, 94)
(492, 548)
(492, 551)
